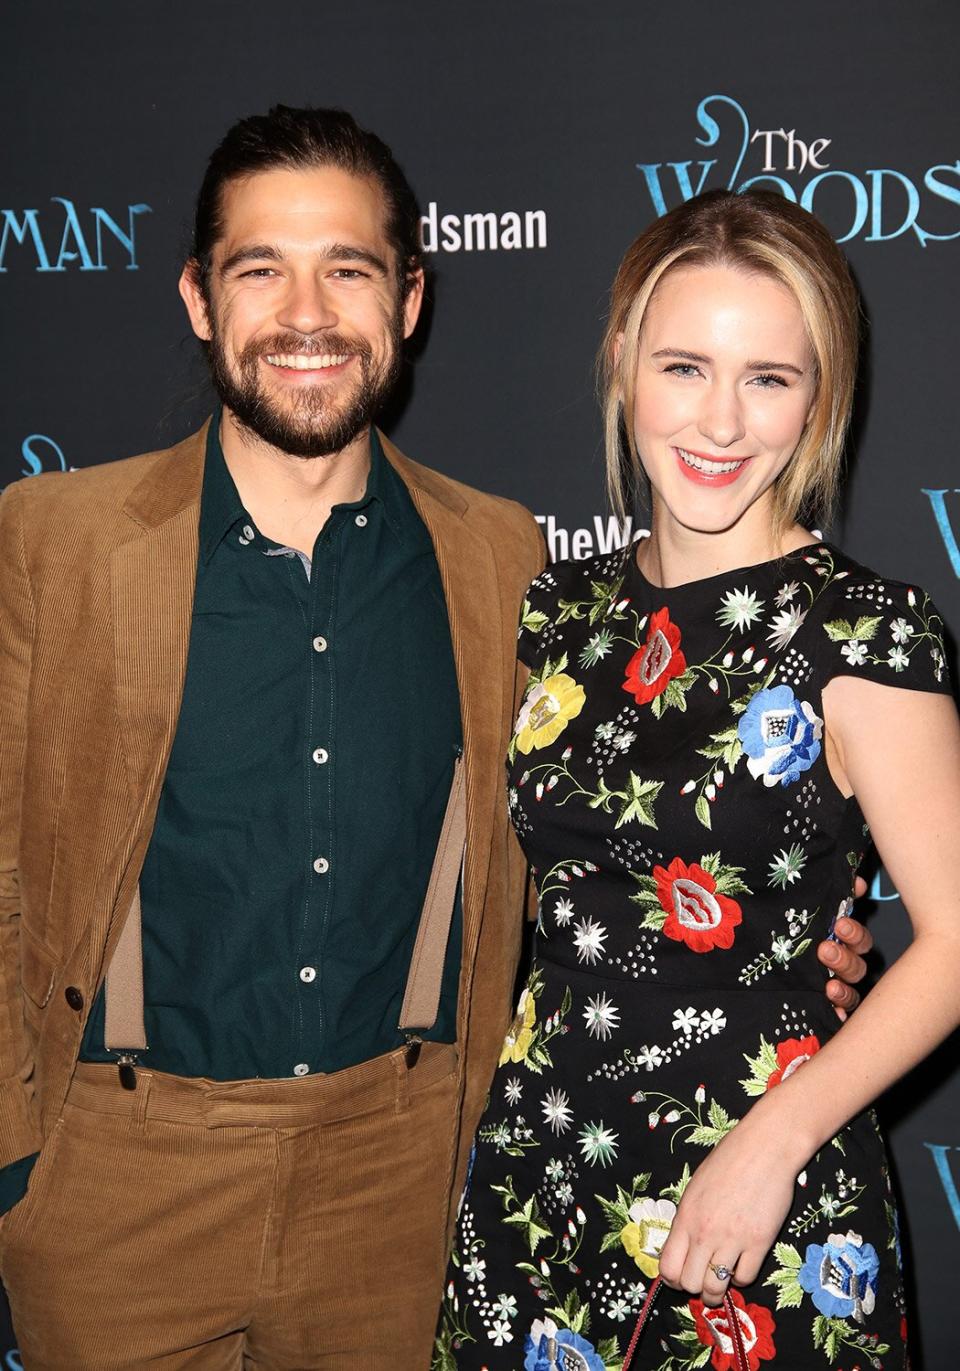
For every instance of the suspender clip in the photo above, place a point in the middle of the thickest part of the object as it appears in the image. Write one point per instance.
(125, 1065)
(414, 1045)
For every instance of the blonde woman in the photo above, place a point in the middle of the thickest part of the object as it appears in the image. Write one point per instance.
(717, 725)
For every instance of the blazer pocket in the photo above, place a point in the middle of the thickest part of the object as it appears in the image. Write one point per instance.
(38, 968)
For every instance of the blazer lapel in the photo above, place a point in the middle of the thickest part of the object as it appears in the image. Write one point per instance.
(469, 575)
(152, 583)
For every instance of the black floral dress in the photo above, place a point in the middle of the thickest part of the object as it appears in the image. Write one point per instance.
(669, 785)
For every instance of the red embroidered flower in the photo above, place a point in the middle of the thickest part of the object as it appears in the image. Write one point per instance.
(696, 914)
(756, 1330)
(791, 1053)
(654, 666)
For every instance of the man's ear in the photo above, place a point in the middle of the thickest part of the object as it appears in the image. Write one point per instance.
(193, 297)
(413, 301)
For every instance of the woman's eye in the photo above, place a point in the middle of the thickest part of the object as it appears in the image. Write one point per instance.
(768, 379)
(683, 369)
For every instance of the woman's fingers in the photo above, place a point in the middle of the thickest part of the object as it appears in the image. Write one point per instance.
(748, 1267)
(716, 1279)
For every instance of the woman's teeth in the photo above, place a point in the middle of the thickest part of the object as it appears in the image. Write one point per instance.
(302, 361)
(710, 467)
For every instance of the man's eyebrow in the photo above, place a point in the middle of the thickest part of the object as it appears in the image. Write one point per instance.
(253, 252)
(751, 366)
(330, 252)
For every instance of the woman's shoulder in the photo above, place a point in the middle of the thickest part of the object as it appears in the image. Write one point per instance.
(569, 592)
(869, 624)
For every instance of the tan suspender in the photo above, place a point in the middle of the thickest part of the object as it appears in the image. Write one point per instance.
(124, 1027)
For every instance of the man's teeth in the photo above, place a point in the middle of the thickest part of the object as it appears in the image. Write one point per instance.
(712, 468)
(303, 361)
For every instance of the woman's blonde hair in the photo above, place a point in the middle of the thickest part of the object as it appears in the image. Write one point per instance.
(757, 231)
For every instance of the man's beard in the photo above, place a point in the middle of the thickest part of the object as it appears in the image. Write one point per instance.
(312, 423)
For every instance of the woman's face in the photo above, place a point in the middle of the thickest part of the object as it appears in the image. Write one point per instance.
(724, 386)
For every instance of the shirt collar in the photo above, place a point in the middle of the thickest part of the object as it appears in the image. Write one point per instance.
(221, 506)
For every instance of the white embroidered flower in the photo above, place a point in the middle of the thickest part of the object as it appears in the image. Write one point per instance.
(902, 631)
(787, 592)
(598, 1144)
(618, 1309)
(897, 658)
(855, 652)
(604, 732)
(713, 1021)
(556, 1110)
(602, 1016)
(938, 662)
(650, 1057)
(564, 1193)
(787, 866)
(784, 625)
(623, 741)
(474, 1269)
(500, 1332)
(740, 609)
(685, 1020)
(513, 1090)
(782, 950)
(588, 938)
(563, 912)
(505, 1306)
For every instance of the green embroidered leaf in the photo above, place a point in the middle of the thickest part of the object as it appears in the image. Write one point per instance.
(611, 1239)
(729, 882)
(866, 627)
(655, 919)
(838, 630)
(609, 1353)
(569, 609)
(711, 862)
(656, 704)
(719, 1117)
(675, 1192)
(527, 1220)
(675, 696)
(787, 1255)
(638, 801)
(603, 797)
(532, 619)
(702, 810)
(790, 1294)
(702, 1136)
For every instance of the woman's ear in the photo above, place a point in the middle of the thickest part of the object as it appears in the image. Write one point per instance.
(617, 348)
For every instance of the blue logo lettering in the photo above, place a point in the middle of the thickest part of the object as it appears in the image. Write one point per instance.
(938, 499)
(946, 1177)
(35, 462)
(885, 203)
(24, 228)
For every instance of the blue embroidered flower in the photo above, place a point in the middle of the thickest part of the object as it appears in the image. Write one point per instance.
(780, 735)
(841, 1276)
(549, 1348)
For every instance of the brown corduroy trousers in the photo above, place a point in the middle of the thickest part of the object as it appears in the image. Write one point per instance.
(284, 1225)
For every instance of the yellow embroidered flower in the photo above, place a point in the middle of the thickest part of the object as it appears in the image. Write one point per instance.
(517, 1042)
(645, 1236)
(547, 710)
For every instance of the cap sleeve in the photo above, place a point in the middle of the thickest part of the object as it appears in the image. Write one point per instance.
(883, 631)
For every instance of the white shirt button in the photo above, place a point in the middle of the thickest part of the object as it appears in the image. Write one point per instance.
(361, 521)
(319, 644)
(321, 866)
(244, 542)
(320, 755)
(301, 1069)
(248, 533)
(308, 973)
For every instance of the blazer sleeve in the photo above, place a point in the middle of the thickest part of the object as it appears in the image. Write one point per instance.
(19, 1123)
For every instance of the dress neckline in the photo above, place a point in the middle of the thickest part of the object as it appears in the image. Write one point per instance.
(710, 583)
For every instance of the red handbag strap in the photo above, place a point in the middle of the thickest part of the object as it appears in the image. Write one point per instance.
(736, 1337)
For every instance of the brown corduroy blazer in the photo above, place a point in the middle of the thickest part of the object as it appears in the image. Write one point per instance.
(97, 571)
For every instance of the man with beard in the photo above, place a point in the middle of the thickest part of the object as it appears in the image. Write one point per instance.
(239, 1010)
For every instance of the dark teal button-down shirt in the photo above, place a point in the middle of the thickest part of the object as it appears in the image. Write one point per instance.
(304, 795)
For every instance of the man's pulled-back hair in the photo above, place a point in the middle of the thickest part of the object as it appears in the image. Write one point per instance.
(300, 139)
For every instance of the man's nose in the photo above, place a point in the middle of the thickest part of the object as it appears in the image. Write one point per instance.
(308, 306)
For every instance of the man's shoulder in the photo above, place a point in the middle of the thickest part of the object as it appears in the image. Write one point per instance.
(96, 493)
(505, 523)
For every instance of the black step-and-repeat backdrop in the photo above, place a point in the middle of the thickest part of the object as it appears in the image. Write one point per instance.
(541, 136)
